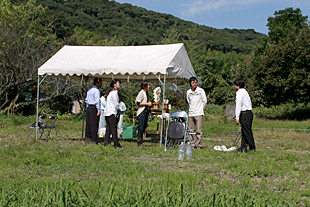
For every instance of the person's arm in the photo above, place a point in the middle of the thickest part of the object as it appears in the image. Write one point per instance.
(115, 100)
(238, 106)
(204, 99)
(97, 97)
(139, 100)
(187, 98)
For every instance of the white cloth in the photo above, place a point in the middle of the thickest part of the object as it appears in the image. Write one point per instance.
(165, 115)
(112, 104)
(122, 106)
(141, 98)
(102, 103)
(243, 102)
(197, 101)
(122, 61)
(223, 148)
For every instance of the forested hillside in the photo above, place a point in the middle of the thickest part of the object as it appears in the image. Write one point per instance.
(138, 26)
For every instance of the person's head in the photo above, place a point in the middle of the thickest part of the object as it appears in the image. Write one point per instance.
(98, 82)
(115, 84)
(193, 82)
(103, 93)
(145, 85)
(239, 83)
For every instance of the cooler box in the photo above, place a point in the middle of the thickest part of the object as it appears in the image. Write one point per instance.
(129, 131)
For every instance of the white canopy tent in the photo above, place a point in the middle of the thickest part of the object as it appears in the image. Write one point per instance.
(156, 62)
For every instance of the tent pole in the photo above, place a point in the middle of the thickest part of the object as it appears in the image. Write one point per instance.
(86, 79)
(37, 119)
(162, 112)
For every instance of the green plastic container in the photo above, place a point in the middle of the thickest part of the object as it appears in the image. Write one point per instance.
(129, 132)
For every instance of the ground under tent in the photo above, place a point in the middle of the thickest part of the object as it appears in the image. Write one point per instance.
(164, 63)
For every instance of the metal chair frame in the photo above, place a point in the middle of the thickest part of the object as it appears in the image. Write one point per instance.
(45, 125)
(237, 138)
(174, 116)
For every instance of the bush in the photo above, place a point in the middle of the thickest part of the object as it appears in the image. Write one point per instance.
(214, 109)
(289, 111)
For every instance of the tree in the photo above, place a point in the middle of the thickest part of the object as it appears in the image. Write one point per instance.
(281, 66)
(284, 22)
(25, 43)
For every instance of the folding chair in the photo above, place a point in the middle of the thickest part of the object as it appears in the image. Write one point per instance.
(177, 130)
(45, 125)
(237, 138)
(51, 124)
(41, 125)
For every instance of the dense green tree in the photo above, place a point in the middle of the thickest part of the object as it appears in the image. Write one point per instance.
(280, 67)
(24, 44)
(285, 22)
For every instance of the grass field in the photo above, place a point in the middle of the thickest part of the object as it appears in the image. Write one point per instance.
(69, 172)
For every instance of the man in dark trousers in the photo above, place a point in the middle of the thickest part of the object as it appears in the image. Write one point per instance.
(244, 116)
(93, 111)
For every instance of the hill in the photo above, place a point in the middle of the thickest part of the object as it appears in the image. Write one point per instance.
(138, 26)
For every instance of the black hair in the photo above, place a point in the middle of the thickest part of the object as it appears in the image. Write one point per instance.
(97, 81)
(144, 84)
(192, 79)
(102, 93)
(114, 81)
(239, 82)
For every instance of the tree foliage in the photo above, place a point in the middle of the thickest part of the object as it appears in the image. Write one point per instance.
(280, 67)
(285, 22)
(25, 42)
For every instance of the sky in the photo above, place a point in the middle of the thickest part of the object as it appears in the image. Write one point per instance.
(220, 14)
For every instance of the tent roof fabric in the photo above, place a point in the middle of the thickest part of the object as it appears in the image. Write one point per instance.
(121, 62)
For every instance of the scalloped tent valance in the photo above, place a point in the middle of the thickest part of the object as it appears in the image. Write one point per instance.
(121, 62)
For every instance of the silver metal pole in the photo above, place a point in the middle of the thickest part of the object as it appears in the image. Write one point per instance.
(86, 80)
(162, 112)
(38, 97)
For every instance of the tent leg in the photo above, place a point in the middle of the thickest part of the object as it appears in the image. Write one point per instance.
(37, 119)
(84, 109)
(162, 112)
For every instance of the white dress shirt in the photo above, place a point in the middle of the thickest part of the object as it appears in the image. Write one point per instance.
(197, 101)
(243, 102)
(112, 104)
(93, 97)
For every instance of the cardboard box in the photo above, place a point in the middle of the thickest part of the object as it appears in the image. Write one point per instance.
(129, 131)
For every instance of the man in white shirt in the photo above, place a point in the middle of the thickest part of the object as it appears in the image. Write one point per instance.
(93, 111)
(244, 116)
(197, 100)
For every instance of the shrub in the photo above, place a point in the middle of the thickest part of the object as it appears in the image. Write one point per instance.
(288, 111)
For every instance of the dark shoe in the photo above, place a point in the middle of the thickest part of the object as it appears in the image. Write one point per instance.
(253, 150)
(241, 150)
(117, 146)
(139, 144)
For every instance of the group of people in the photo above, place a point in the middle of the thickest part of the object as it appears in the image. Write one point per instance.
(110, 112)
(107, 110)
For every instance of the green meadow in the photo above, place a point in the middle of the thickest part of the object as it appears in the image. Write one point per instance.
(69, 172)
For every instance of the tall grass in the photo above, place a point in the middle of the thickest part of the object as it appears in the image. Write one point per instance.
(69, 172)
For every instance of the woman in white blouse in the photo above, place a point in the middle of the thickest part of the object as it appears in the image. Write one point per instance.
(111, 113)
(143, 103)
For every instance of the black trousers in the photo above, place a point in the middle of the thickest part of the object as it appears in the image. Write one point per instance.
(111, 124)
(246, 119)
(142, 124)
(92, 123)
